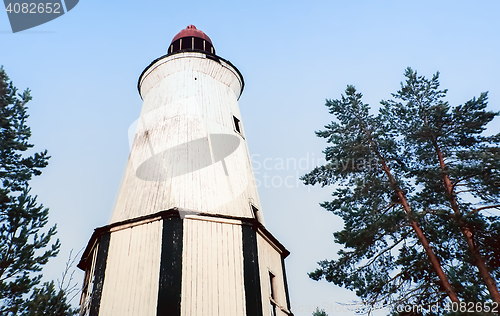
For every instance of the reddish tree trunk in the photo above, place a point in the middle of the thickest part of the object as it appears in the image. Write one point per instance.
(467, 233)
(421, 237)
(420, 234)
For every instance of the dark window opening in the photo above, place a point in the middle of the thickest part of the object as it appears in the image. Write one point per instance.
(176, 45)
(271, 284)
(272, 293)
(254, 210)
(186, 42)
(209, 48)
(191, 44)
(237, 126)
(198, 43)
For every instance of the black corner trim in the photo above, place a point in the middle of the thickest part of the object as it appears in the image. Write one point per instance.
(100, 268)
(169, 292)
(251, 275)
(286, 284)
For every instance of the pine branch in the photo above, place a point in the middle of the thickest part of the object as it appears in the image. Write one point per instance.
(404, 236)
(476, 210)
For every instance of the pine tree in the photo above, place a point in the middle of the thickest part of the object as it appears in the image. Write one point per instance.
(319, 312)
(453, 161)
(24, 246)
(386, 190)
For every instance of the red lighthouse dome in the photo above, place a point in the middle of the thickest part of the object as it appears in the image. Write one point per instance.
(191, 39)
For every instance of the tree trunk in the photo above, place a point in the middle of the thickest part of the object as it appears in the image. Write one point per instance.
(420, 234)
(421, 237)
(467, 233)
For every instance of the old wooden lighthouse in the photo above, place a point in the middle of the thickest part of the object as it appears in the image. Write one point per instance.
(187, 235)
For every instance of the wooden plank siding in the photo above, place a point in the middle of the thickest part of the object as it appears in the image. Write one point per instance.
(186, 142)
(217, 274)
(132, 271)
(270, 260)
(212, 268)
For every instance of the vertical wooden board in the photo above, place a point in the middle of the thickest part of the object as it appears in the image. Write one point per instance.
(190, 276)
(231, 269)
(217, 246)
(221, 264)
(120, 243)
(122, 267)
(215, 275)
(201, 277)
(190, 269)
(264, 273)
(186, 268)
(170, 276)
(223, 273)
(213, 268)
(112, 287)
(199, 268)
(239, 281)
(125, 266)
(194, 270)
(240, 284)
(252, 272)
(195, 262)
(210, 272)
(131, 257)
(139, 235)
(151, 248)
(136, 255)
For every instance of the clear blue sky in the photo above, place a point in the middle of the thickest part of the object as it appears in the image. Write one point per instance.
(83, 68)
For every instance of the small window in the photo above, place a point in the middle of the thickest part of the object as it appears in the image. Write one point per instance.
(176, 45)
(237, 124)
(198, 43)
(271, 284)
(254, 210)
(272, 293)
(186, 43)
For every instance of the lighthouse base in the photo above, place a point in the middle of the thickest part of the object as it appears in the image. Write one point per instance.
(179, 262)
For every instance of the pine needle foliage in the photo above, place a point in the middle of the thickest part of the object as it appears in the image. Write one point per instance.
(319, 312)
(389, 182)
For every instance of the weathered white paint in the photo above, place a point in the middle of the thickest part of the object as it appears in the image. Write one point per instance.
(212, 269)
(186, 152)
(132, 269)
(270, 261)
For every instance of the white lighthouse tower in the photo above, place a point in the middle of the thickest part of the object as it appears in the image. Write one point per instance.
(187, 235)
